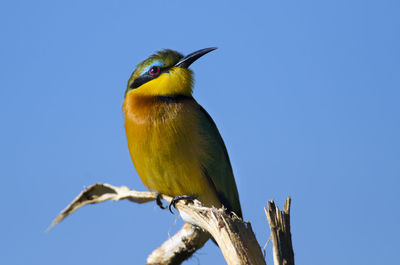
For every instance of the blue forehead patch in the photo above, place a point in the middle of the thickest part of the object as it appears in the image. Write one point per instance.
(155, 63)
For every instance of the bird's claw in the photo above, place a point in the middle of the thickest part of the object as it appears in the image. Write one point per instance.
(159, 202)
(189, 198)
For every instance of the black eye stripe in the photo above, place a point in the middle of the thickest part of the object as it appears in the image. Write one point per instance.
(141, 80)
(146, 77)
(164, 69)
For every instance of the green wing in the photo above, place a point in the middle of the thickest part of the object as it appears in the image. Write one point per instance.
(217, 166)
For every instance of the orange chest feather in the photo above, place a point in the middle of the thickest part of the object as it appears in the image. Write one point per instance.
(149, 111)
(161, 129)
(150, 119)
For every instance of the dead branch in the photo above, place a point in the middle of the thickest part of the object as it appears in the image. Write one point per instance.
(99, 193)
(234, 237)
(279, 222)
(174, 251)
(179, 247)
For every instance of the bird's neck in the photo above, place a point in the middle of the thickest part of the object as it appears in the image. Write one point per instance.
(141, 108)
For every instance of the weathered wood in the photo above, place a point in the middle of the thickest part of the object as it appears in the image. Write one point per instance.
(234, 237)
(279, 222)
(179, 247)
(97, 193)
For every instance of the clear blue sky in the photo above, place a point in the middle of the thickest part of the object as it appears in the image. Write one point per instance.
(306, 95)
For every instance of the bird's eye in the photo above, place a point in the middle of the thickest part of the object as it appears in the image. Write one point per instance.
(154, 70)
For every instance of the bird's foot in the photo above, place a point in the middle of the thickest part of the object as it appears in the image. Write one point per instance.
(159, 202)
(189, 198)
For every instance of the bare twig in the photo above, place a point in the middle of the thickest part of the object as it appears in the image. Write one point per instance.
(179, 247)
(279, 222)
(99, 193)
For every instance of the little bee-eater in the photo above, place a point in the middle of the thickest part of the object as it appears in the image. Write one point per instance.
(174, 144)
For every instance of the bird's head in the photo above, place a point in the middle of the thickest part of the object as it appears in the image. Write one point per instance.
(165, 73)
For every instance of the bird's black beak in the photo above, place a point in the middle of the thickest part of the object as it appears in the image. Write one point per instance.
(186, 61)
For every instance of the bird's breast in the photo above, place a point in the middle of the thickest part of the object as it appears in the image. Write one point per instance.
(164, 145)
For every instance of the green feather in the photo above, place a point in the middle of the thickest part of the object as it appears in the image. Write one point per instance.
(218, 167)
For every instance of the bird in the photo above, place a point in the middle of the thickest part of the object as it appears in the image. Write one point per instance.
(174, 144)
